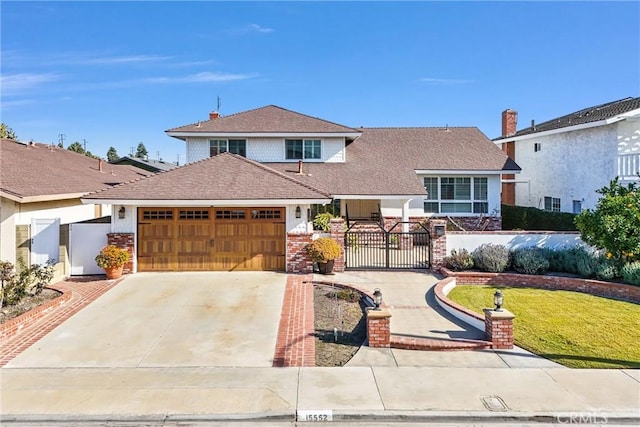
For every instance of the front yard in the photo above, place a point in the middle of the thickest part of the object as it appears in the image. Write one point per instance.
(574, 329)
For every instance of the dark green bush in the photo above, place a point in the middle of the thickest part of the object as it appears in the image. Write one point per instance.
(530, 261)
(522, 218)
(459, 260)
(630, 273)
(490, 257)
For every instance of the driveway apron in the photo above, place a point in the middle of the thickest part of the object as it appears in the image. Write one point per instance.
(170, 319)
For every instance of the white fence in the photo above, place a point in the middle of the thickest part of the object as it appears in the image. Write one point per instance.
(470, 240)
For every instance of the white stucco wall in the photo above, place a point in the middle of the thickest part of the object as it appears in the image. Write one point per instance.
(265, 149)
(569, 166)
(7, 230)
(512, 240)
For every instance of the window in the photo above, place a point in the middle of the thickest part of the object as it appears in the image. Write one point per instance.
(457, 195)
(157, 214)
(194, 214)
(577, 206)
(230, 214)
(552, 204)
(235, 146)
(265, 214)
(537, 146)
(298, 149)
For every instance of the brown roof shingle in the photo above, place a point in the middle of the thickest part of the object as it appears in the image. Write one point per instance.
(269, 119)
(30, 170)
(383, 161)
(223, 177)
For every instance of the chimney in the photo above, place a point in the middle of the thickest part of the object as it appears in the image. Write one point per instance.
(509, 122)
(100, 165)
(213, 115)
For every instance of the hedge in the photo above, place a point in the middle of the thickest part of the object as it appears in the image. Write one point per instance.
(522, 218)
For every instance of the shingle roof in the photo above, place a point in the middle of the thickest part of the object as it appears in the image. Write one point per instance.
(29, 170)
(586, 115)
(147, 164)
(269, 119)
(383, 161)
(223, 177)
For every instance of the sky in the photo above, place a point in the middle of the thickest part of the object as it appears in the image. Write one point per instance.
(120, 73)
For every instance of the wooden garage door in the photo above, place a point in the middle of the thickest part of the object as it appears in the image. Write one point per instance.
(211, 239)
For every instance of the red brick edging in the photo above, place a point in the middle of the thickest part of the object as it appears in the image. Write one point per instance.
(295, 345)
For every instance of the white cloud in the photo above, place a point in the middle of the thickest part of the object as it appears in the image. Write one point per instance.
(250, 29)
(114, 60)
(438, 81)
(24, 81)
(203, 77)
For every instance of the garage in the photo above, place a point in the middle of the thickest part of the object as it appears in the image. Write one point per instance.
(211, 239)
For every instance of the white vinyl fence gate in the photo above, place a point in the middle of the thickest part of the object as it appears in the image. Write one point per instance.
(85, 241)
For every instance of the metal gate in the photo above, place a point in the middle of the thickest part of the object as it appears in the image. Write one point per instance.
(369, 246)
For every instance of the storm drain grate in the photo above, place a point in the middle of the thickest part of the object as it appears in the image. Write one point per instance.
(494, 403)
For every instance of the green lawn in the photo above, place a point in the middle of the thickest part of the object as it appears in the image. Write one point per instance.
(571, 328)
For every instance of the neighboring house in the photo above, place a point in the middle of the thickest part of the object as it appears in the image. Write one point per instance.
(566, 159)
(254, 179)
(146, 164)
(40, 190)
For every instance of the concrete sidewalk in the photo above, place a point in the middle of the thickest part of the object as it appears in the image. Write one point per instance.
(156, 396)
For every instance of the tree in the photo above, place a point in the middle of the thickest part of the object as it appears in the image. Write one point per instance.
(141, 152)
(60, 144)
(112, 154)
(614, 224)
(76, 147)
(7, 132)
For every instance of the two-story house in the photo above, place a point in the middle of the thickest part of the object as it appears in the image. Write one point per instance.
(254, 179)
(566, 159)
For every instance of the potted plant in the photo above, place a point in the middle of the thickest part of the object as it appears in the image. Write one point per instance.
(112, 259)
(324, 251)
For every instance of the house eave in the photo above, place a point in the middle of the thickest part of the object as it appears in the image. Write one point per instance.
(465, 172)
(40, 198)
(205, 134)
(208, 203)
(378, 197)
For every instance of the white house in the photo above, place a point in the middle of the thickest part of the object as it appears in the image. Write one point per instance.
(566, 159)
(254, 180)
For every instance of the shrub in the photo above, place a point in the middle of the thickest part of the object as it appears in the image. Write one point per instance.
(630, 273)
(32, 279)
(566, 260)
(112, 256)
(324, 249)
(458, 260)
(530, 261)
(350, 295)
(322, 221)
(490, 257)
(524, 218)
(606, 270)
(586, 263)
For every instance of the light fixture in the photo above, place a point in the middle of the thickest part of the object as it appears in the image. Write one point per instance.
(298, 212)
(121, 212)
(498, 299)
(377, 298)
(439, 230)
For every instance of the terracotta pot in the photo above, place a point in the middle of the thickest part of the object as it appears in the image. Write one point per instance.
(326, 267)
(114, 272)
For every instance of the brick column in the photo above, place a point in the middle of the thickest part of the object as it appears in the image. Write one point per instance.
(438, 243)
(298, 261)
(124, 241)
(378, 327)
(498, 327)
(337, 232)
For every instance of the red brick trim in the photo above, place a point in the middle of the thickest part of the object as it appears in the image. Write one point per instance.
(17, 324)
(593, 287)
(439, 294)
(295, 345)
(432, 344)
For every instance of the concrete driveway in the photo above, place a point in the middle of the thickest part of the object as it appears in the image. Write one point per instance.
(170, 319)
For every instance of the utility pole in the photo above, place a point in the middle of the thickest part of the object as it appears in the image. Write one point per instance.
(158, 155)
(178, 161)
(61, 138)
(84, 145)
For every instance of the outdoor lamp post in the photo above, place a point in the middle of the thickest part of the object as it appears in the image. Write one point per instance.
(377, 298)
(121, 212)
(298, 212)
(498, 299)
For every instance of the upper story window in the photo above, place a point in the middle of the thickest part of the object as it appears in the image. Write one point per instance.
(552, 204)
(300, 149)
(456, 195)
(537, 146)
(235, 146)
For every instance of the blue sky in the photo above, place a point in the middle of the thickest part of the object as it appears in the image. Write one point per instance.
(119, 73)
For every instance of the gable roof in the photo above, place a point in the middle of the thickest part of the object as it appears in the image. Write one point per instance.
(225, 177)
(146, 164)
(269, 119)
(384, 161)
(592, 114)
(33, 171)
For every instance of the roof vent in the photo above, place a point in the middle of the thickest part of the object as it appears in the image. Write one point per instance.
(533, 124)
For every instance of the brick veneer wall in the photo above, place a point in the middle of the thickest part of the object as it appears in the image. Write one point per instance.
(337, 232)
(438, 243)
(594, 287)
(379, 328)
(124, 241)
(298, 261)
(498, 328)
